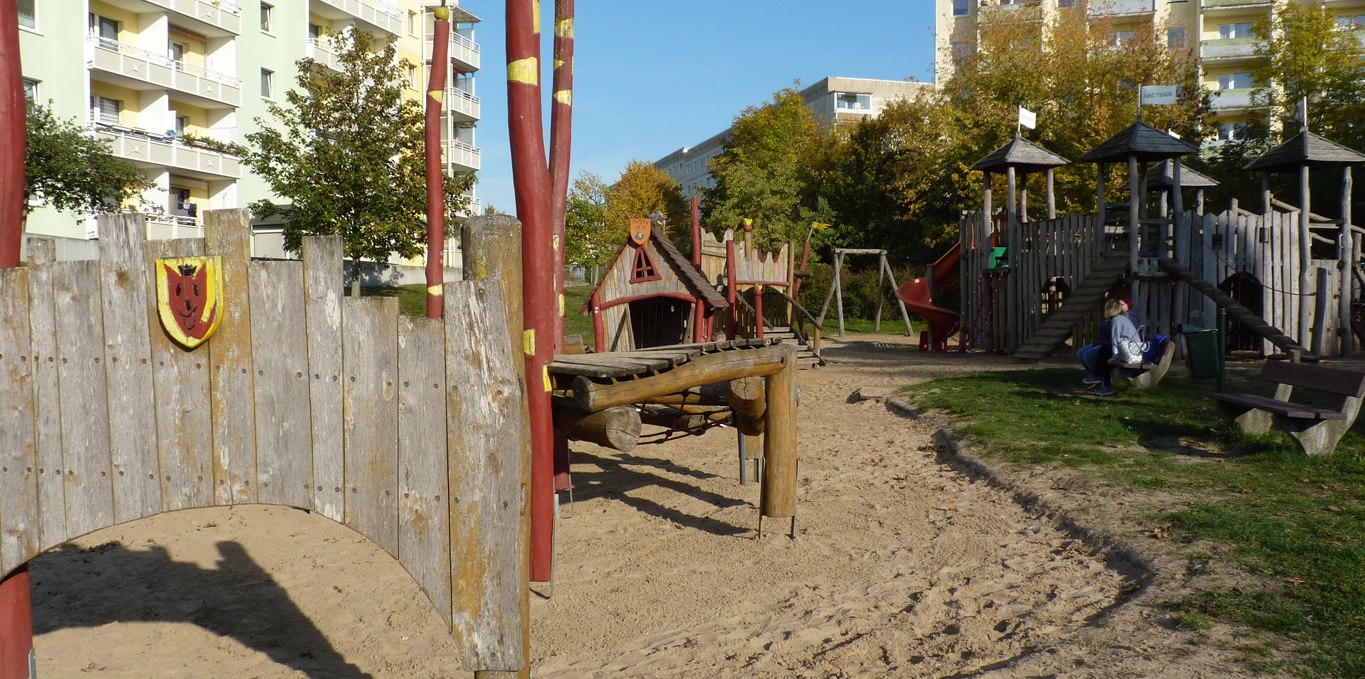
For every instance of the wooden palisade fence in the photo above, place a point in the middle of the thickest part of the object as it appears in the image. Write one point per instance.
(409, 430)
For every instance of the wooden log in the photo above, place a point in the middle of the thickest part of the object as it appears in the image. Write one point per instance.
(323, 282)
(717, 367)
(18, 459)
(691, 397)
(227, 234)
(779, 441)
(747, 397)
(486, 478)
(370, 417)
(279, 349)
(47, 408)
(84, 399)
(493, 244)
(617, 428)
(677, 420)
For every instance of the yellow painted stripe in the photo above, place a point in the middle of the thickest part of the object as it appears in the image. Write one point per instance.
(535, 13)
(438, 95)
(564, 28)
(437, 290)
(545, 372)
(558, 63)
(564, 97)
(526, 71)
(528, 341)
(561, 304)
(554, 242)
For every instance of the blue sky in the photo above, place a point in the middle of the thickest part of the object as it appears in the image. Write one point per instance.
(654, 76)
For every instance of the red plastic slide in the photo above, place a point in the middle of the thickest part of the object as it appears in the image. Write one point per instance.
(915, 294)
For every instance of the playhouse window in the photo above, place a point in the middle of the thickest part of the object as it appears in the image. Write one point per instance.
(643, 268)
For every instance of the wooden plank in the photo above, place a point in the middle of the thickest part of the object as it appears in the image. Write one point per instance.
(718, 367)
(47, 407)
(19, 508)
(180, 381)
(322, 289)
(127, 356)
(279, 356)
(779, 440)
(370, 417)
(227, 234)
(81, 386)
(423, 479)
(485, 477)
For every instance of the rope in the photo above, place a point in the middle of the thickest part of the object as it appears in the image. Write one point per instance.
(1263, 285)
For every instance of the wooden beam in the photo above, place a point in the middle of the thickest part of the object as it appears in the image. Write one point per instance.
(748, 399)
(779, 442)
(722, 366)
(616, 428)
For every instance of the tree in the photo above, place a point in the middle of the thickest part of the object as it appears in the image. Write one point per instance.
(641, 190)
(588, 242)
(71, 170)
(764, 172)
(1303, 54)
(348, 155)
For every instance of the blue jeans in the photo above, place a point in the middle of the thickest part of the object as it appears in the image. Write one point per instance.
(1095, 358)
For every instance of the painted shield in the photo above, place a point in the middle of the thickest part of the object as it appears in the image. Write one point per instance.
(189, 297)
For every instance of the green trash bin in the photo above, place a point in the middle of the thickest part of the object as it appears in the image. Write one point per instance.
(1201, 350)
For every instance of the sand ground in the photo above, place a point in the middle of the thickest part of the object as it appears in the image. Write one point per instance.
(908, 562)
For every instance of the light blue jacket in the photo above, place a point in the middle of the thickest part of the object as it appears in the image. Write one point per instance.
(1125, 340)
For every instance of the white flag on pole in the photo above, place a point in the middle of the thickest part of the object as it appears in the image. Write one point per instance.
(1027, 118)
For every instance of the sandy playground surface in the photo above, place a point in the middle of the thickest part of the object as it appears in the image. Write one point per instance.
(907, 563)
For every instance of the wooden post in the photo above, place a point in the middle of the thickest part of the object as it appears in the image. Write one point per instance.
(1134, 227)
(779, 441)
(1012, 290)
(435, 174)
(1265, 193)
(493, 244)
(748, 399)
(732, 295)
(905, 316)
(617, 428)
(1023, 197)
(758, 311)
(1320, 311)
(13, 134)
(1345, 249)
(1100, 207)
(987, 219)
(1051, 196)
(839, 289)
(1181, 242)
(1305, 252)
(881, 278)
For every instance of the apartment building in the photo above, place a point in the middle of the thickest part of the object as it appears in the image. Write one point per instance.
(833, 101)
(170, 82)
(1219, 31)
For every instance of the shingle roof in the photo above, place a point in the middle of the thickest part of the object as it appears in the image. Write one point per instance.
(690, 275)
(1142, 140)
(1306, 148)
(1023, 155)
(1160, 174)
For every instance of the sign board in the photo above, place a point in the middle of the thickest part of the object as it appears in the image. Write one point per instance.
(1158, 95)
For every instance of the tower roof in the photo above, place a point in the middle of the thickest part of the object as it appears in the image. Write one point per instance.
(1142, 140)
(1161, 174)
(1020, 154)
(1306, 148)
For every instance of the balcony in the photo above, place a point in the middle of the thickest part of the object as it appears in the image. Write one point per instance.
(145, 148)
(1211, 5)
(1231, 100)
(463, 51)
(141, 69)
(1101, 8)
(463, 106)
(323, 54)
(224, 16)
(381, 15)
(166, 227)
(462, 157)
(1229, 50)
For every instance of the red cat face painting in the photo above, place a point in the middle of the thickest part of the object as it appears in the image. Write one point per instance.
(189, 291)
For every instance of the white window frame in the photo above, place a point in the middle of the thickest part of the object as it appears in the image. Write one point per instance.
(1240, 80)
(98, 113)
(267, 17)
(1171, 34)
(31, 89)
(33, 16)
(267, 84)
(1236, 29)
(861, 102)
(962, 8)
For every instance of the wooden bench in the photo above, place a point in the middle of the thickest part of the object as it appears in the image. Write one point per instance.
(1145, 375)
(1317, 430)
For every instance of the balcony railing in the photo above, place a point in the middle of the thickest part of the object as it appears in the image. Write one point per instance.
(217, 13)
(462, 49)
(323, 54)
(1230, 48)
(165, 227)
(462, 156)
(462, 103)
(145, 147)
(1236, 4)
(1121, 7)
(1231, 99)
(160, 70)
(381, 14)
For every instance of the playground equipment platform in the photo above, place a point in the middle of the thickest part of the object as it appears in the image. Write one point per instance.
(603, 380)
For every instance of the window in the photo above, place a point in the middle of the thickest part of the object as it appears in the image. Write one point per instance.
(852, 101)
(960, 8)
(643, 268)
(104, 110)
(180, 123)
(1066, 3)
(177, 52)
(1231, 131)
(267, 83)
(1234, 81)
(267, 16)
(28, 13)
(1348, 23)
(1122, 38)
(412, 23)
(1241, 29)
(30, 89)
(1175, 38)
(412, 77)
(104, 27)
(314, 33)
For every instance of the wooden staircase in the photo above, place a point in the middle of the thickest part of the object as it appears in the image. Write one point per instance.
(806, 357)
(1237, 312)
(1059, 324)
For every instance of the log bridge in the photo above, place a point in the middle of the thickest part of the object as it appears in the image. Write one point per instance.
(594, 395)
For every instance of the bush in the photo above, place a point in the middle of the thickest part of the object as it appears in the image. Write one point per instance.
(859, 286)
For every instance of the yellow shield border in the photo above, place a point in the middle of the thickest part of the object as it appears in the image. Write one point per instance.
(209, 314)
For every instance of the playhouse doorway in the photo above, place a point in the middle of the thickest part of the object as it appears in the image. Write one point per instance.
(1244, 288)
(659, 322)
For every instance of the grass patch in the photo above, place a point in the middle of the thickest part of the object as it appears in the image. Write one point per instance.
(1295, 524)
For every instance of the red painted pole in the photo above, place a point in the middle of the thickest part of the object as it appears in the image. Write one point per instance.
(13, 133)
(699, 333)
(730, 293)
(436, 194)
(561, 141)
(531, 178)
(599, 331)
(16, 623)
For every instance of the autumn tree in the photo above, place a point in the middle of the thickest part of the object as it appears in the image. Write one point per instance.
(1305, 55)
(346, 151)
(641, 190)
(588, 241)
(763, 173)
(71, 170)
